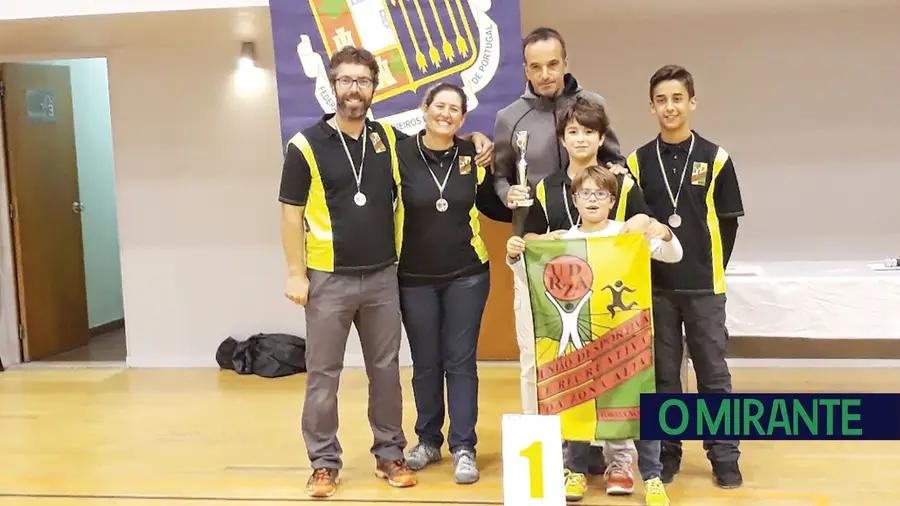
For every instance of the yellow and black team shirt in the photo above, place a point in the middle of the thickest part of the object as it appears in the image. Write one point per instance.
(436, 246)
(343, 237)
(554, 193)
(709, 205)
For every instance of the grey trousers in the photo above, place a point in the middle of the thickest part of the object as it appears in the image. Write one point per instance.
(703, 317)
(372, 303)
(621, 451)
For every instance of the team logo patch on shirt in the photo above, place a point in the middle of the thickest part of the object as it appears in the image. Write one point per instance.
(376, 142)
(465, 165)
(698, 173)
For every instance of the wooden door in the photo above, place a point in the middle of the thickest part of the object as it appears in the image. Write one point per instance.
(497, 340)
(46, 212)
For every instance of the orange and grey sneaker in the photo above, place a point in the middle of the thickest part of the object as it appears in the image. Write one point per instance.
(322, 483)
(619, 479)
(397, 473)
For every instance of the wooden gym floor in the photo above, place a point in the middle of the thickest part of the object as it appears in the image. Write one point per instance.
(72, 437)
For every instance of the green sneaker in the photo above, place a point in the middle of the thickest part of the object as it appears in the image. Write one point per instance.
(655, 493)
(576, 486)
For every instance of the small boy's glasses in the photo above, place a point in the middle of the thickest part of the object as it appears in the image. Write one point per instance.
(597, 194)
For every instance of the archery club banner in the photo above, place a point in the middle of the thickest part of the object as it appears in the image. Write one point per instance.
(418, 43)
(593, 326)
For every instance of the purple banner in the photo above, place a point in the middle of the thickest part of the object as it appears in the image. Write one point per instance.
(418, 43)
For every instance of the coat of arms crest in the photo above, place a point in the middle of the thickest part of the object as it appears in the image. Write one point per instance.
(416, 42)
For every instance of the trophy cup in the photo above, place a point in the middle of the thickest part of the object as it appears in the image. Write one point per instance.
(521, 211)
(522, 167)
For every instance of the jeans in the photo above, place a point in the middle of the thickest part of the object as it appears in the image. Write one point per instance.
(443, 322)
(618, 452)
(703, 317)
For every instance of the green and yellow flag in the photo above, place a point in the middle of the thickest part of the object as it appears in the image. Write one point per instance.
(593, 327)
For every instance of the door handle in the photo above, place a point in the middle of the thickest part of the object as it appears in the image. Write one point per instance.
(77, 207)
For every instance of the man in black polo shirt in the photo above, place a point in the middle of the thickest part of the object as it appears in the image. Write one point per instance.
(338, 190)
(690, 183)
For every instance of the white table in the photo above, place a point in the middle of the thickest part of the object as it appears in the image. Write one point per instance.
(822, 300)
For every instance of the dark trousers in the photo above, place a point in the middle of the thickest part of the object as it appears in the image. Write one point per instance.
(703, 317)
(442, 324)
(371, 303)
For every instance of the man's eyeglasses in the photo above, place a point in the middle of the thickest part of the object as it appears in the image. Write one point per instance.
(364, 83)
(597, 194)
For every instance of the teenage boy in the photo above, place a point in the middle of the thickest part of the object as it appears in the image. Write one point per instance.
(594, 191)
(690, 183)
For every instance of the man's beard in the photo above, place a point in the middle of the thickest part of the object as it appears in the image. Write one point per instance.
(353, 112)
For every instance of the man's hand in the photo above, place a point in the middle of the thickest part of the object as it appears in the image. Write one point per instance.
(516, 194)
(617, 169)
(515, 246)
(297, 289)
(484, 147)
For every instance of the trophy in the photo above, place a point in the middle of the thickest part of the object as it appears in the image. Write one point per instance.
(522, 166)
(521, 210)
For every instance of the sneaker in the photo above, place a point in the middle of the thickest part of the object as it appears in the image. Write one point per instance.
(421, 455)
(619, 479)
(397, 473)
(322, 483)
(670, 467)
(655, 493)
(576, 486)
(464, 469)
(728, 474)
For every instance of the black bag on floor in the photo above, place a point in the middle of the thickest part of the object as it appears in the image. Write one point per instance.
(265, 355)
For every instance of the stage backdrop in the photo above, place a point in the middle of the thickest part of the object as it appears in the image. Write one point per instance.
(418, 43)
(593, 329)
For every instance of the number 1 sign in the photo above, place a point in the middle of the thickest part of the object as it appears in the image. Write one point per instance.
(532, 461)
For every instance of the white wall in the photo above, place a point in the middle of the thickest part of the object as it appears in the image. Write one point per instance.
(96, 188)
(794, 97)
(804, 101)
(198, 166)
(16, 9)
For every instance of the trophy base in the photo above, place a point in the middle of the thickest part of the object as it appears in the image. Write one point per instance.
(525, 203)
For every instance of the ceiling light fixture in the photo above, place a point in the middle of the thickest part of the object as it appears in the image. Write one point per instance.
(248, 55)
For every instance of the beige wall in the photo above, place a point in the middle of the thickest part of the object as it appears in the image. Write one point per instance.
(795, 98)
(198, 162)
(197, 168)
(804, 100)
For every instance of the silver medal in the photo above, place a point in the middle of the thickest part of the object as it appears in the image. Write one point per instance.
(675, 221)
(359, 198)
(441, 203)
